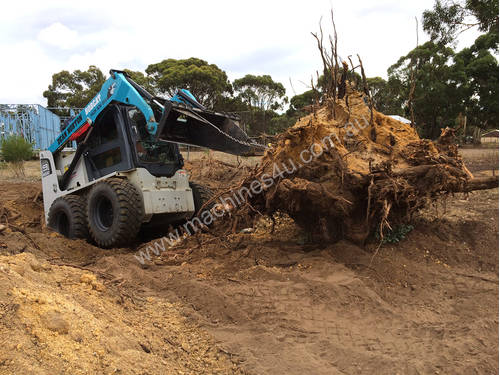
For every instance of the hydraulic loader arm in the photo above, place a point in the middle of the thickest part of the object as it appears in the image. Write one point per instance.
(183, 120)
(117, 88)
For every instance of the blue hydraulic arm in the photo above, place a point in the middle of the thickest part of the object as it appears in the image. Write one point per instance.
(116, 89)
(199, 126)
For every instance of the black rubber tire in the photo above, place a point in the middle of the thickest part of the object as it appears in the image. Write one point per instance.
(201, 195)
(115, 211)
(68, 216)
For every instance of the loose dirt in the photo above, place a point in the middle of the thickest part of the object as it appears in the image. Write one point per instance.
(255, 303)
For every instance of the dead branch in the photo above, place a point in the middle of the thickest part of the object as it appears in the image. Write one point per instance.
(367, 92)
(411, 95)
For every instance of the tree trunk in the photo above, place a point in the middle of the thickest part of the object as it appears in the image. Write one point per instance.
(482, 183)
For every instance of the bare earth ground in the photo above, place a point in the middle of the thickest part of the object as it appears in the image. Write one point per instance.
(257, 303)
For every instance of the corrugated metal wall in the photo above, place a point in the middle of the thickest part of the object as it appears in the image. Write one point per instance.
(35, 123)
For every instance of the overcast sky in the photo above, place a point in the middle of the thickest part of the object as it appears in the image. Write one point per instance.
(40, 38)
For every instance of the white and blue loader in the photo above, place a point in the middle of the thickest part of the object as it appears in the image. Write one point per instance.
(127, 171)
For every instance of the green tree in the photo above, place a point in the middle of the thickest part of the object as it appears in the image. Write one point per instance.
(280, 123)
(262, 97)
(261, 92)
(228, 103)
(437, 97)
(387, 95)
(207, 82)
(300, 101)
(143, 80)
(477, 71)
(297, 108)
(74, 89)
(448, 18)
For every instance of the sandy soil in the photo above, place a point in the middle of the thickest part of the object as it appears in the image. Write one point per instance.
(259, 303)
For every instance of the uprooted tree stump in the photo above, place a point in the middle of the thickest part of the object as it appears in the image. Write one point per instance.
(346, 172)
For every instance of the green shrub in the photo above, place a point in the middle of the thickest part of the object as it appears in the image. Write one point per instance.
(397, 234)
(15, 150)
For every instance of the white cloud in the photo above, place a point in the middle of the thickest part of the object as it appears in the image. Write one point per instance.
(25, 74)
(257, 37)
(59, 36)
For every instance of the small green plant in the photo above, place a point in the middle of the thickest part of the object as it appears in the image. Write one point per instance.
(15, 150)
(395, 235)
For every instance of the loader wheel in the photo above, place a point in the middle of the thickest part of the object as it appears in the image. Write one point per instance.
(115, 211)
(68, 216)
(201, 195)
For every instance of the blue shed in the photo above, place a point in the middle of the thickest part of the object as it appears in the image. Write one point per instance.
(35, 123)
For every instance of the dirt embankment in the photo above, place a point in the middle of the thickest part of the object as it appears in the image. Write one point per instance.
(62, 316)
(258, 303)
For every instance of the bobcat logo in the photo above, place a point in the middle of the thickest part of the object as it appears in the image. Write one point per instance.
(111, 90)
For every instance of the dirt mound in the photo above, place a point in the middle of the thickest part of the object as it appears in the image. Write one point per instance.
(60, 316)
(346, 172)
(58, 319)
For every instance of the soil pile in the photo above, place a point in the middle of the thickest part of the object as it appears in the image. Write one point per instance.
(345, 171)
(64, 320)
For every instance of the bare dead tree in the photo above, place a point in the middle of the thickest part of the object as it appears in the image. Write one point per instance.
(291, 85)
(343, 79)
(324, 57)
(334, 55)
(330, 61)
(366, 91)
(313, 104)
(316, 93)
(352, 70)
(411, 95)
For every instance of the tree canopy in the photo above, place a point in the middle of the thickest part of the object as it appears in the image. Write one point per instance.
(262, 97)
(448, 18)
(386, 95)
(436, 89)
(207, 82)
(143, 80)
(447, 85)
(477, 71)
(261, 92)
(300, 101)
(74, 89)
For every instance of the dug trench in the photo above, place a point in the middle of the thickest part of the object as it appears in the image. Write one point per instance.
(255, 303)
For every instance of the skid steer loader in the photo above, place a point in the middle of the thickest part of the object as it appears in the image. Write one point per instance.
(126, 171)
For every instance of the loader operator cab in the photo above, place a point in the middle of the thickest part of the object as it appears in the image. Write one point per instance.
(120, 142)
(148, 151)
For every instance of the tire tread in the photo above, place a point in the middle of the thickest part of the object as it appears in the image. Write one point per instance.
(131, 213)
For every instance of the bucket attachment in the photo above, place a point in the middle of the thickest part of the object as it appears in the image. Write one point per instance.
(199, 127)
